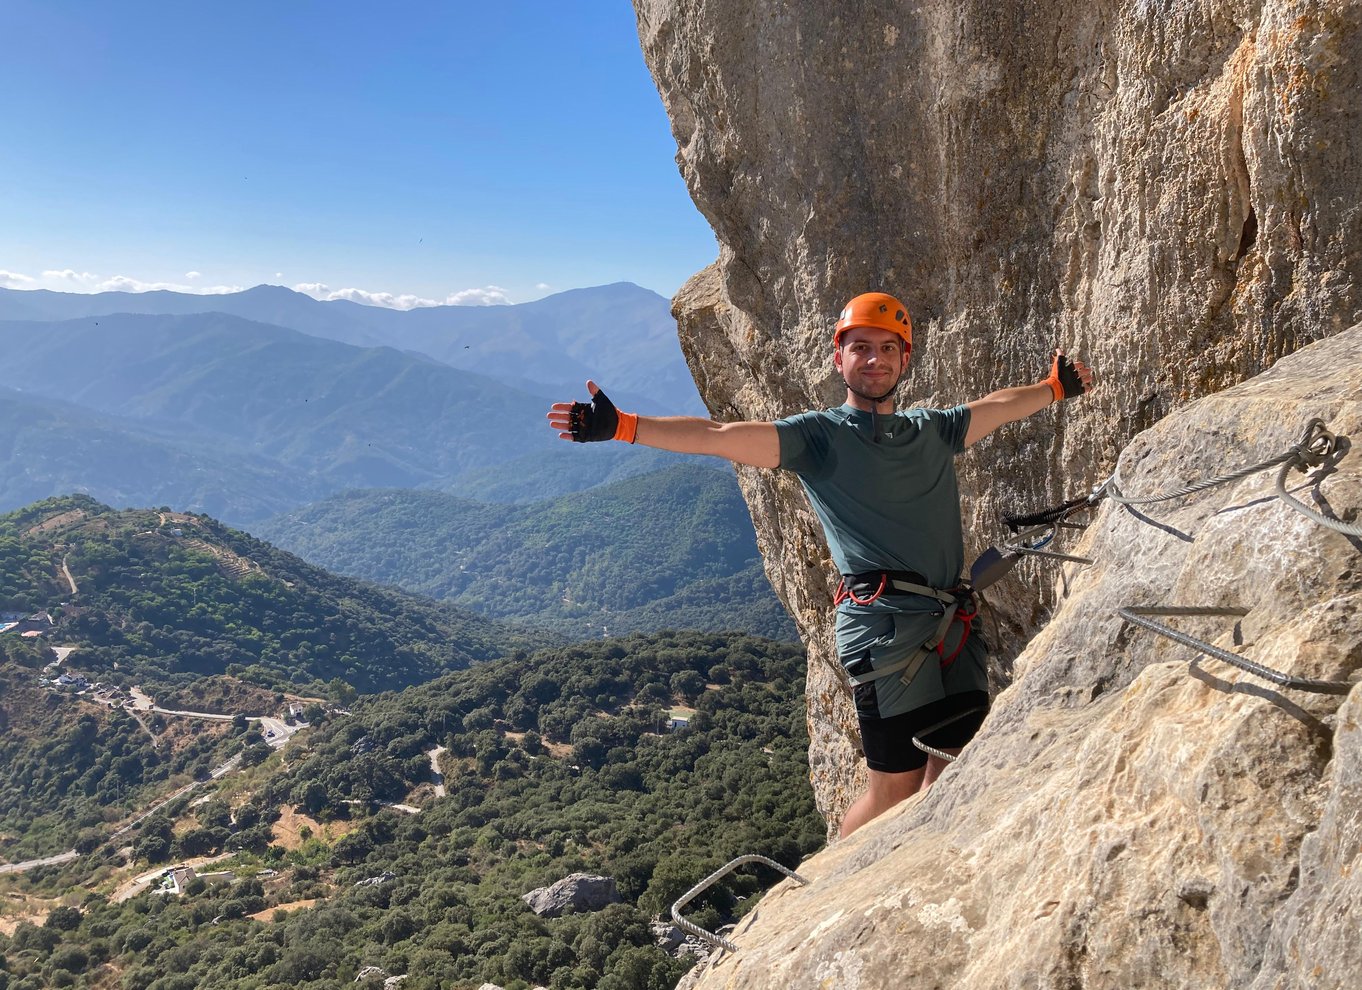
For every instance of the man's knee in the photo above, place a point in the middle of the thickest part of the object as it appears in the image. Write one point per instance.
(888, 789)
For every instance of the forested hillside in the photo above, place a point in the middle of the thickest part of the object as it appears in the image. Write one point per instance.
(334, 415)
(556, 762)
(165, 599)
(69, 769)
(52, 447)
(671, 549)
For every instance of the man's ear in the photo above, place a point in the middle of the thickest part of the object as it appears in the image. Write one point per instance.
(837, 358)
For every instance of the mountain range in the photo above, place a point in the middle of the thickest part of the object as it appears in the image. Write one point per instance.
(622, 335)
(185, 408)
(384, 463)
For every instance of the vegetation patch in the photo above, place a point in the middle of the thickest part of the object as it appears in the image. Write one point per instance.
(437, 895)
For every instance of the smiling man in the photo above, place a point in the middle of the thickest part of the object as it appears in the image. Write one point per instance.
(883, 485)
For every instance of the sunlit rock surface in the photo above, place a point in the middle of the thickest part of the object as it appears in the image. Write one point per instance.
(1133, 814)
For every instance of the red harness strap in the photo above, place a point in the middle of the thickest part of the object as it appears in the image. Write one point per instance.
(844, 592)
(966, 619)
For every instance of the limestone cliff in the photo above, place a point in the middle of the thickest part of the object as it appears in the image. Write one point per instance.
(1133, 815)
(1169, 189)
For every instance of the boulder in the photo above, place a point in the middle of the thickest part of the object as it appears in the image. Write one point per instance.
(1135, 813)
(576, 892)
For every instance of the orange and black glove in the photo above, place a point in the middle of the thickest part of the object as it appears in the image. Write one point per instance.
(1064, 381)
(591, 422)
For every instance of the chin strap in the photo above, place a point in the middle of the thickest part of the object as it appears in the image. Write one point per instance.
(874, 401)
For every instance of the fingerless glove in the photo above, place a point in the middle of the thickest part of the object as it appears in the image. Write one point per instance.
(1064, 381)
(597, 420)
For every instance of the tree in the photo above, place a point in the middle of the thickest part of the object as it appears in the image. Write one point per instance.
(354, 847)
(63, 919)
(687, 684)
(154, 848)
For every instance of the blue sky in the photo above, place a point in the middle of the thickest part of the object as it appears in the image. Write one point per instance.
(457, 151)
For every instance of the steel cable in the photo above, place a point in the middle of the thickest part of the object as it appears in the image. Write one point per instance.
(1114, 493)
(1338, 525)
(942, 754)
(1316, 443)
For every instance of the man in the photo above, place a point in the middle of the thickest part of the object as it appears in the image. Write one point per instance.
(883, 485)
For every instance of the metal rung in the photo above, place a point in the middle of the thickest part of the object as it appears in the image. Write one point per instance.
(1136, 614)
(708, 882)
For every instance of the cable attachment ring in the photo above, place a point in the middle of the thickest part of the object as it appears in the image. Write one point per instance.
(1315, 446)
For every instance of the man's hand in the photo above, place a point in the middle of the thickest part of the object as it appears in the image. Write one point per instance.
(743, 443)
(592, 422)
(1068, 379)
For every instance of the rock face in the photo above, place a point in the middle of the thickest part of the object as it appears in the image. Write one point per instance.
(577, 892)
(1171, 191)
(1134, 814)
(1168, 189)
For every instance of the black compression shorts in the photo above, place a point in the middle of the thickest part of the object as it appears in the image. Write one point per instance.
(888, 742)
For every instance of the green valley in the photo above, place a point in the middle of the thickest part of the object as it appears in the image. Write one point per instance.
(670, 549)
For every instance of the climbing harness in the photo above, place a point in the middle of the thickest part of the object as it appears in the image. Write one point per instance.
(1138, 615)
(957, 605)
(716, 940)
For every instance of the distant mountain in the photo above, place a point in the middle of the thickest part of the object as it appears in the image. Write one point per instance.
(569, 468)
(165, 599)
(49, 447)
(621, 335)
(303, 414)
(672, 549)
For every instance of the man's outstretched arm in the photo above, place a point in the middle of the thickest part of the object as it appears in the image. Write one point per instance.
(1067, 380)
(743, 443)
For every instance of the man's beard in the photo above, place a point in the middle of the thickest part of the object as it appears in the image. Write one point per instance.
(893, 386)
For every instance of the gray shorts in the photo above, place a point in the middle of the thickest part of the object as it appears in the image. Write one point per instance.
(871, 638)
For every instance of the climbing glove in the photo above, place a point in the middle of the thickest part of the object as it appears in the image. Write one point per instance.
(599, 420)
(1064, 381)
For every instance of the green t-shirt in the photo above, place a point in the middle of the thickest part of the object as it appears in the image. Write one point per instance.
(892, 505)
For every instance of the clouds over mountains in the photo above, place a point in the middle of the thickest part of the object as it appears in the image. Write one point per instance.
(488, 295)
(70, 280)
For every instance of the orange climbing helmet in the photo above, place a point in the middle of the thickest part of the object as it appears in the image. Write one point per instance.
(875, 309)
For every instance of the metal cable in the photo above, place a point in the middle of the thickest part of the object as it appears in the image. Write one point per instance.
(1315, 444)
(709, 881)
(1338, 525)
(1135, 614)
(940, 754)
(1114, 493)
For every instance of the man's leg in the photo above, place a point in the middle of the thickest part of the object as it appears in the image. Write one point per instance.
(935, 765)
(883, 792)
